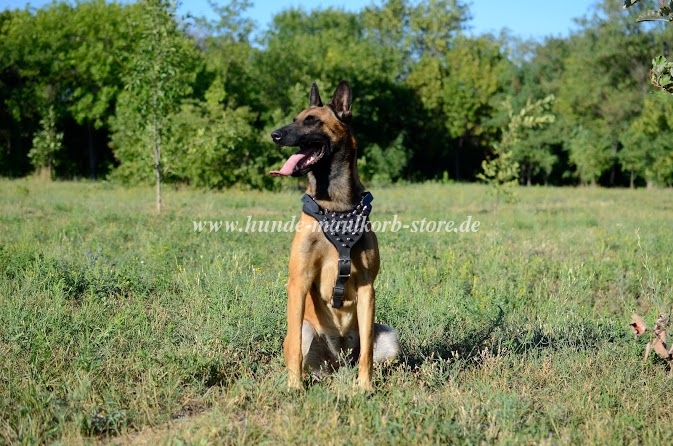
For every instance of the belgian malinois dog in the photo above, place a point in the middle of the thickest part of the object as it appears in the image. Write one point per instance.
(330, 307)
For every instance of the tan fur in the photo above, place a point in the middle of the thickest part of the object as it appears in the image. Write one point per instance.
(313, 271)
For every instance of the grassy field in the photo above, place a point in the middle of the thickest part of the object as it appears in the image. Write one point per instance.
(120, 326)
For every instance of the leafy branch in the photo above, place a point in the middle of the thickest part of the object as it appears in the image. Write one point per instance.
(661, 74)
(665, 11)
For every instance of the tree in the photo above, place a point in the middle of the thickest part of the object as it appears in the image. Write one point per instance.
(474, 78)
(46, 145)
(534, 154)
(501, 171)
(426, 91)
(652, 132)
(590, 153)
(228, 54)
(384, 165)
(457, 88)
(646, 153)
(215, 144)
(535, 72)
(104, 42)
(601, 90)
(160, 75)
(35, 73)
(68, 57)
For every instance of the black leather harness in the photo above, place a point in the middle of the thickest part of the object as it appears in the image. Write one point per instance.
(343, 230)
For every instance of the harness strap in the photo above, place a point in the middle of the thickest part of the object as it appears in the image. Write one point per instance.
(343, 230)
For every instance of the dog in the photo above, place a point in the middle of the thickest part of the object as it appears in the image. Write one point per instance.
(331, 303)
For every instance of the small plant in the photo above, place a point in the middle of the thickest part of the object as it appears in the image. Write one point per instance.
(658, 341)
(46, 144)
(159, 76)
(500, 171)
(652, 291)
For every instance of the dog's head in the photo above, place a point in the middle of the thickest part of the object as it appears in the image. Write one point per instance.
(318, 131)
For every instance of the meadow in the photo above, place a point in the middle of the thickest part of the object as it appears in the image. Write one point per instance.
(121, 326)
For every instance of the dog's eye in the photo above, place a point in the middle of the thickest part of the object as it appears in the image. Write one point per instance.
(311, 120)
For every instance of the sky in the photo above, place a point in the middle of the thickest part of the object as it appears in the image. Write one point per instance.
(524, 18)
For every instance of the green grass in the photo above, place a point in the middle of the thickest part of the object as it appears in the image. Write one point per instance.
(121, 326)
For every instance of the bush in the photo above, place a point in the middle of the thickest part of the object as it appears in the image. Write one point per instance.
(384, 165)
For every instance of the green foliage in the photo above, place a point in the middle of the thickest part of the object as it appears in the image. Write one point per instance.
(215, 147)
(434, 25)
(664, 12)
(536, 72)
(661, 73)
(646, 144)
(384, 166)
(590, 153)
(105, 37)
(70, 57)
(456, 84)
(414, 69)
(601, 90)
(47, 142)
(160, 75)
(161, 70)
(658, 164)
(501, 171)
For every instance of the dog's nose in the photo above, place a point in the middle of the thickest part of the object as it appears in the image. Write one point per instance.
(276, 135)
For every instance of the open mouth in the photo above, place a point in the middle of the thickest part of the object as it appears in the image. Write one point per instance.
(302, 161)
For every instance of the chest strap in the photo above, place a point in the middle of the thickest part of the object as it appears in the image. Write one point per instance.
(343, 230)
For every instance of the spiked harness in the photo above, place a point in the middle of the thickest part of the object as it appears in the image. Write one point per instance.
(343, 230)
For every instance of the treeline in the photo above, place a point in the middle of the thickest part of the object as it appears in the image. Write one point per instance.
(429, 94)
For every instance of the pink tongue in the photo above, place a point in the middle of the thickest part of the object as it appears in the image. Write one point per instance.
(288, 167)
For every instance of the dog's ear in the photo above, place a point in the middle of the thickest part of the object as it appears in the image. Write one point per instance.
(341, 102)
(314, 97)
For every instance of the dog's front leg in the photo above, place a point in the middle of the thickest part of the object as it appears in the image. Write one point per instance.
(365, 310)
(296, 294)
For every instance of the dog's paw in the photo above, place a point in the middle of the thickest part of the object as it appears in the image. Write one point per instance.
(294, 383)
(365, 386)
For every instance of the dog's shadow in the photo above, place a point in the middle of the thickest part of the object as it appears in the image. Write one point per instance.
(518, 338)
(468, 347)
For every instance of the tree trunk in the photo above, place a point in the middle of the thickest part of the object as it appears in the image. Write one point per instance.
(457, 165)
(632, 180)
(157, 155)
(529, 174)
(92, 153)
(613, 174)
(613, 170)
(158, 172)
